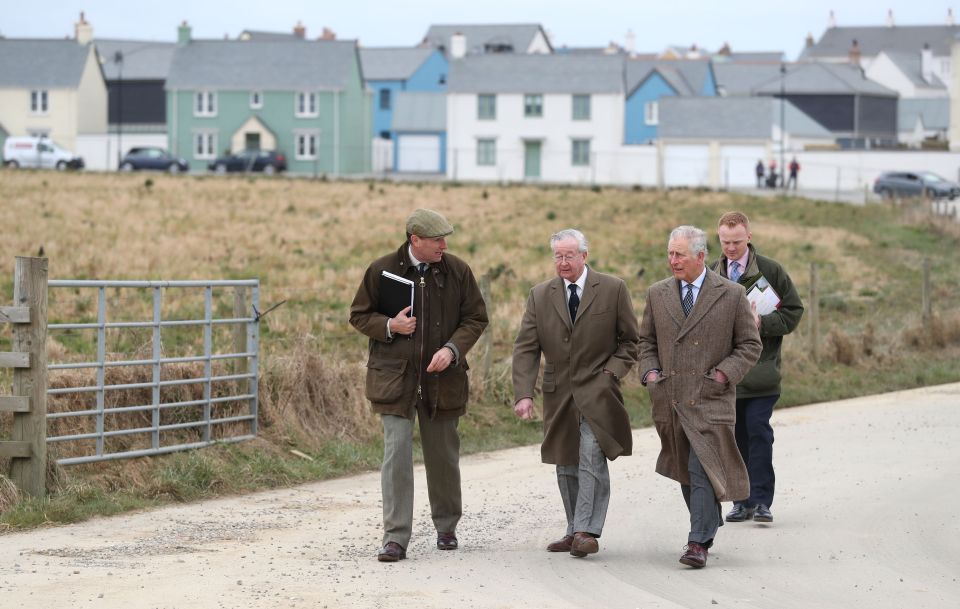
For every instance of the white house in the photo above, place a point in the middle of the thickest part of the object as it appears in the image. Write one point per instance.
(519, 38)
(550, 117)
(912, 75)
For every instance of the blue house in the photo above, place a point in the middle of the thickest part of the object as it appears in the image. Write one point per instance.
(650, 80)
(388, 71)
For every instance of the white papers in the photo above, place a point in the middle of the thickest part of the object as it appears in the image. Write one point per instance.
(764, 296)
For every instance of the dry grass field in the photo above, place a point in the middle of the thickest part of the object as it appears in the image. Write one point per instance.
(309, 241)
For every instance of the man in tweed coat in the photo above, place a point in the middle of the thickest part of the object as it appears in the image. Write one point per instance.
(697, 341)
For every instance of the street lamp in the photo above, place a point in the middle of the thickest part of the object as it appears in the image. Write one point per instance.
(783, 95)
(118, 60)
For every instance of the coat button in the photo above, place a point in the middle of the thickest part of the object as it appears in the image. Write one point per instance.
(696, 342)
(692, 402)
(674, 402)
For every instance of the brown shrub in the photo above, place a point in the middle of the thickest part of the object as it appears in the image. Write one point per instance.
(9, 494)
(842, 348)
(939, 332)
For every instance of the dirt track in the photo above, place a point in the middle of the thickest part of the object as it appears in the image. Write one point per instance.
(866, 516)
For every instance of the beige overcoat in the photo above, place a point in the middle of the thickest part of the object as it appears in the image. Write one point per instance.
(690, 408)
(575, 356)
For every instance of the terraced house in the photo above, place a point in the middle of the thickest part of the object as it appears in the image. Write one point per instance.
(303, 98)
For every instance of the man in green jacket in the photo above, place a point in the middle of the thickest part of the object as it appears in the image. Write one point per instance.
(759, 390)
(417, 369)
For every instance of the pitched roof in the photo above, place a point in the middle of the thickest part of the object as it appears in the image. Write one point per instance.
(686, 76)
(420, 111)
(555, 73)
(836, 41)
(740, 79)
(517, 35)
(262, 35)
(393, 63)
(754, 56)
(252, 64)
(824, 79)
(55, 64)
(933, 111)
(910, 65)
(142, 59)
(750, 118)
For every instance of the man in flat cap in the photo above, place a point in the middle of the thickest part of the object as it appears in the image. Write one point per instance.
(417, 369)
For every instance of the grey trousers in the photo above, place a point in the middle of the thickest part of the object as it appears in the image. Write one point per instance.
(585, 487)
(441, 458)
(702, 503)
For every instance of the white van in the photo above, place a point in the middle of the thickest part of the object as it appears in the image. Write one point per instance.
(38, 152)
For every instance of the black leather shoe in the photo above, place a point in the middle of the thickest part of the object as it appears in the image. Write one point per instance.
(739, 513)
(763, 514)
(391, 552)
(446, 541)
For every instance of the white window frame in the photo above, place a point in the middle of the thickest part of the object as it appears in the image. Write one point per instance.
(574, 160)
(204, 144)
(205, 103)
(533, 105)
(256, 100)
(302, 141)
(484, 161)
(493, 106)
(306, 104)
(40, 102)
(651, 112)
(573, 109)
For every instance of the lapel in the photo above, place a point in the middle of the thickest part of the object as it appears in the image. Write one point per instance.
(710, 291)
(589, 292)
(672, 300)
(559, 299)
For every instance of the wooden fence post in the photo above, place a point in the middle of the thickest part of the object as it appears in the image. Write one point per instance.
(927, 300)
(814, 308)
(29, 471)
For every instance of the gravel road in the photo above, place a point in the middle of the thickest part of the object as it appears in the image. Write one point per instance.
(865, 516)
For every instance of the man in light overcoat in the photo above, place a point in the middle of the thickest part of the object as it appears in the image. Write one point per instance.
(698, 339)
(584, 325)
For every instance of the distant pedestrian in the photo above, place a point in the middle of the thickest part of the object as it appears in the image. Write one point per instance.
(794, 170)
(772, 176)
(760, 172)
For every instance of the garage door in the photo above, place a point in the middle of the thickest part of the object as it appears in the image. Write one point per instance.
(419, 153)
(738, 165)
(686, 165)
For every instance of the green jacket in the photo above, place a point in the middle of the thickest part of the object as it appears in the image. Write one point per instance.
(764, 378)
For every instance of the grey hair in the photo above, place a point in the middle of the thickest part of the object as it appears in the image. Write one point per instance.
(570, 233)
(696, 237)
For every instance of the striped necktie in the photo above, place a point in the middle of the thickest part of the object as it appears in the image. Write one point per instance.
(687, 301)
(734, 271)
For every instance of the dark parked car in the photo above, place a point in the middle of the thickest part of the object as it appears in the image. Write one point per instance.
(151, 157)
(915, 184)
(267, 161)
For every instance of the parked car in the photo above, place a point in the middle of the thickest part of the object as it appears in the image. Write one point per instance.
(267, 161)
(38, 152)
(915, 184)
(152, 157)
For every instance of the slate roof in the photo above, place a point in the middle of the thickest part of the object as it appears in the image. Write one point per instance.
(265, 36)
(517, 35)
(934, 112)
(910, 65)
(142, 59)
(740, 79)
(686, 76)
(397, 63)
(743, 118)
(420, 111)
(555, 73)
(53, 64)
(251, 64)
(753, 56)
(836, 41)
(821, 78)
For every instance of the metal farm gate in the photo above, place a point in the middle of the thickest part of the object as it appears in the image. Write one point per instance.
(99, 422)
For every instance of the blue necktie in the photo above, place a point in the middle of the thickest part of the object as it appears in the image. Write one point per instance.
(734, 271)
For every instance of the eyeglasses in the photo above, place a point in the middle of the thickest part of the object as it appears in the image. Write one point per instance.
(558, 258)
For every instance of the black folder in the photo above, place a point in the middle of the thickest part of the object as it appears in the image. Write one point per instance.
(396, 294)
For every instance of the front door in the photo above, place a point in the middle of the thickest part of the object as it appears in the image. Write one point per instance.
(252, 141)
(531, 159)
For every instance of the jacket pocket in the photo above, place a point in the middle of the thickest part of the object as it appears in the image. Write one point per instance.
(660, 408)
(549, 379)
(454, 387)
(385, 378)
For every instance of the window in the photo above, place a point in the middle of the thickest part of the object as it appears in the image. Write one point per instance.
(306, 146)
(581, 107)
(307, 104)
(39, 101)
(486, 152)
(486, 107)
(580, 153)
(256, 99)
(206, 103)
(384, 99)
(533, 106)
(651, 113)
(205, 145)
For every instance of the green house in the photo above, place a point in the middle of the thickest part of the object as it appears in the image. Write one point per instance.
(305, 99)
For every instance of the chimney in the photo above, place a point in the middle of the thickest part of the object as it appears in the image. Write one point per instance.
(458, 46)
(183, 33)
(725, 50)
(630, 42)
(84, 31)
(328, 34)
(854, 53)
(890, 17)
(926, 64)
(299, 31)
(810, 41)
(831, 20)
(950, 16)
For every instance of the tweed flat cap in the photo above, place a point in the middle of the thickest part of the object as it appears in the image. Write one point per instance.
(428, 223)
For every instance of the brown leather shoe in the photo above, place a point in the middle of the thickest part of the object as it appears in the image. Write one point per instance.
(583, 544)
(391, 552)
(447, 541)
(695, 555)
(560, 545)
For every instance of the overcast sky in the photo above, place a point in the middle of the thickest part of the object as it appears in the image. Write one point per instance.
(748, 25)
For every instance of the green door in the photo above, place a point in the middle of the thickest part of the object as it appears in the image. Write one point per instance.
(531, 159)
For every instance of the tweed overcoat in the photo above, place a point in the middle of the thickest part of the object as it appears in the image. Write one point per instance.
(690, 408)
(604, 336)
